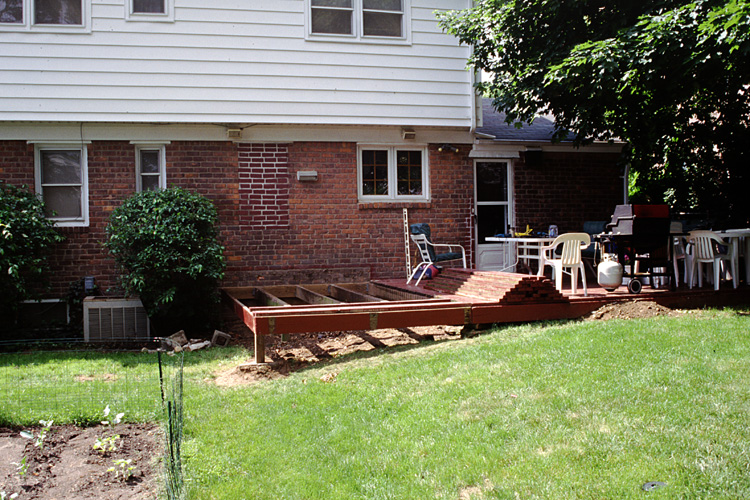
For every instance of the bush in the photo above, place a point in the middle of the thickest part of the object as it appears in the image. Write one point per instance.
(26, 238)
(166, 244)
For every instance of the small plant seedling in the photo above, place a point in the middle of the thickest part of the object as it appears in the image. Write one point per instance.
(122, 469)
(114, 421)
(106, 444)
(41, 436)
(21, 466)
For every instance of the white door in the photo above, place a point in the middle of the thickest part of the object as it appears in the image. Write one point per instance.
(493, 195)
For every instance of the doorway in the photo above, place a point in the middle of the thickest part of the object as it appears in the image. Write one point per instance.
(493, 195)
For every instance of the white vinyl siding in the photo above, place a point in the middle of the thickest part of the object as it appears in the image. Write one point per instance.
(61, 172)
(230, 61)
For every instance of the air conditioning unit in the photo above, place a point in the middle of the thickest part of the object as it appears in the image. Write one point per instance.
(114, 319)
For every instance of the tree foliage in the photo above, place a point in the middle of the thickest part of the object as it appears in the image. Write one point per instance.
(167, 245)
(670, 77)
(26, 238)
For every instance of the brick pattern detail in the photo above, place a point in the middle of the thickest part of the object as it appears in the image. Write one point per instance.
(314, 231)
(264, 185)
(567, 189)
(503, 288)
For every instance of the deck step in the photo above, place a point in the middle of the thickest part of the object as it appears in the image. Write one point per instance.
(503, 288)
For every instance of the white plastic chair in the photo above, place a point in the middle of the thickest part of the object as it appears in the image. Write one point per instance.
(420, 235)
(570, 258)
(705, 252)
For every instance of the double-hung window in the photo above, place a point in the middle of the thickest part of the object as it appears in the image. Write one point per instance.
(393, 173)
(149, 10)
(150, 167)
(45, 15)
(358, 19)
(62, 182)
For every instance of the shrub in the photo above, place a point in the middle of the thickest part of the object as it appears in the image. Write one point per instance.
(26, 238)
(166, 243)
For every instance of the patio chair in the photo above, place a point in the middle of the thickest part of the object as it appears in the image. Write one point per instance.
(569, 258)
(421, 236)
(706, 251)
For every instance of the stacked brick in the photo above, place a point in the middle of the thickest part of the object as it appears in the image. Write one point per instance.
(503, 288)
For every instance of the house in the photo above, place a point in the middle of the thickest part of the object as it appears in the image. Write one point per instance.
(311, 124)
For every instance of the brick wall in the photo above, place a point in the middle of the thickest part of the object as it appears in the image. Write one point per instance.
(279, 230)
(567, 189)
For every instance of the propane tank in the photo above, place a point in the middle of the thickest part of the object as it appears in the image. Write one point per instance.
(609, 272)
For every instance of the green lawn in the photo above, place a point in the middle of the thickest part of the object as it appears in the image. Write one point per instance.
(569, 410)
(574, 410)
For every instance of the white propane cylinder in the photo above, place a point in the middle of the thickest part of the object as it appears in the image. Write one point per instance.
(609, 272)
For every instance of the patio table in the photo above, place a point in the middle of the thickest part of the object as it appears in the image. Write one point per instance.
(528, 248)
(737, 237)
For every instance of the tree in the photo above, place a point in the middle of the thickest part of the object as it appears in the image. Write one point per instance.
(26, 238)
(166, 243)
(669, 77)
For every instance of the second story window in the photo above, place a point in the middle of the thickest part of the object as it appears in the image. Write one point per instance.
(149, 7)
(149, 10)
(56, 16)
(358, 19)
(58, 12)
(11, 12)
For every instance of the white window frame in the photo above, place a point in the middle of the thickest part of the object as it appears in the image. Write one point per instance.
(82, 221)
(29, 25)
(151, 146)
(393, 196)
(358, 27)
(153, 17)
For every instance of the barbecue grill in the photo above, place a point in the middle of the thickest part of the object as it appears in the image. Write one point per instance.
(639, 235)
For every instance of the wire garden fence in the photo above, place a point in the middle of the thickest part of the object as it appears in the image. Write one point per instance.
(73, 382)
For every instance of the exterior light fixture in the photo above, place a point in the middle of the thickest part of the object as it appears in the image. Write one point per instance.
(307, 175)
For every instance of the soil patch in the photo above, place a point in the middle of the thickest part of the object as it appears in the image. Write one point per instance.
(632, 309)
(67, 465)
(301, 350)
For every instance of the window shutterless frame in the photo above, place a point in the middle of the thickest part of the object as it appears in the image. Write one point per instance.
(150, 166)
(372, 21)
(149, 10)
(60, 16)
(61, 178)
(392, 173)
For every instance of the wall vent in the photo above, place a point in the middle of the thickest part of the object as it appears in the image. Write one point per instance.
(114, 319)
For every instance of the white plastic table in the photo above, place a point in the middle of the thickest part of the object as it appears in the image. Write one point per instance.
(737, 237)
(527, 248)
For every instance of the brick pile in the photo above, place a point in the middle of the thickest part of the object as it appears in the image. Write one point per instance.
(503, 288)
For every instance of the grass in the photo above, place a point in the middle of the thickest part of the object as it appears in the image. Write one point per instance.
(562, 410)
(576, 410)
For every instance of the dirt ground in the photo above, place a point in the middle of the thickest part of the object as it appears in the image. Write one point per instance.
(66, 466)
(301, 350)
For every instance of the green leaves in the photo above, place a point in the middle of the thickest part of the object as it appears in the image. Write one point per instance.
(26, 238)
(669, 77)
(167, 245)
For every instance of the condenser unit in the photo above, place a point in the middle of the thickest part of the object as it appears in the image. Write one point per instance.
(114, 319)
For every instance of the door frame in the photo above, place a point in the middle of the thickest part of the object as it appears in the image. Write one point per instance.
(511, 199)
